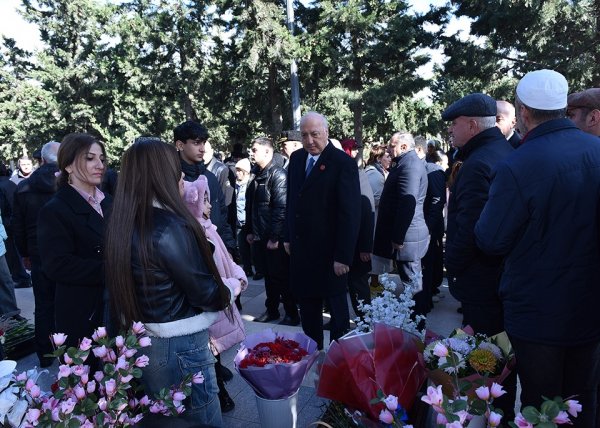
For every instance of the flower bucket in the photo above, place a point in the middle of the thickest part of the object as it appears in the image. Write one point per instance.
(281, 413)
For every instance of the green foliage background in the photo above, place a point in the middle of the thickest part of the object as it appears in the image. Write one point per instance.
(139, 67)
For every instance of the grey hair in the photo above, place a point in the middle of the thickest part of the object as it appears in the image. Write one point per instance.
(485, 122)
(50, 151)
(315, 114)
(406, 137)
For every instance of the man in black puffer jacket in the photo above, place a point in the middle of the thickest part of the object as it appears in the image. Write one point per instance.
(31, 195)
(265, 222)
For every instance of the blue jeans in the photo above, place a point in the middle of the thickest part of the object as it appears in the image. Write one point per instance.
(170, 360)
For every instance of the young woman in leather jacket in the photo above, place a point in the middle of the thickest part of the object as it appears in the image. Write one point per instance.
(160, 271)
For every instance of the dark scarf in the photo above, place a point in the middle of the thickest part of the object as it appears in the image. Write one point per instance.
(193, 171)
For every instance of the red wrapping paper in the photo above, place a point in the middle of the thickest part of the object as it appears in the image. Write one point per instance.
(356, 367)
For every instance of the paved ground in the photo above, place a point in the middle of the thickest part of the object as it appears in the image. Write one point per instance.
(442, 320)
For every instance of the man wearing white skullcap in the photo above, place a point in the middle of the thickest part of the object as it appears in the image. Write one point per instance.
(542, 214)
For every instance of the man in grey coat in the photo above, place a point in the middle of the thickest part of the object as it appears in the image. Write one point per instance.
(401, 232)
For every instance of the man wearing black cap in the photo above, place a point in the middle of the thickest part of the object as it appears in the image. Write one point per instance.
(472, 275)
(290, 141)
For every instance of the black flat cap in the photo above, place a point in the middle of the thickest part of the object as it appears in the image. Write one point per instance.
(291, 135)
(472, 105)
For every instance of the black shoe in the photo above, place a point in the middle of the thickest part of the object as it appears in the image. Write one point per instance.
(224, 372)
(288, 320)
(227, 404)
(225, 400)
(258, 276)
(23, 285)
(267, 317)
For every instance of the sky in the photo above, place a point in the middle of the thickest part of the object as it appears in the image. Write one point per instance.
(27, 37)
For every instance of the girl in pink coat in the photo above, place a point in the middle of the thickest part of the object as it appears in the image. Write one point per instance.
(224, 333)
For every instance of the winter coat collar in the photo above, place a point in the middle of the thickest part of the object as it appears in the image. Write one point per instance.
(548, 127)
(479, 140)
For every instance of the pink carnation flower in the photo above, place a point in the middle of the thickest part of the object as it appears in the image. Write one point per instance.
(59, 339)
(386, 417)
(574, 407)
(391, 402)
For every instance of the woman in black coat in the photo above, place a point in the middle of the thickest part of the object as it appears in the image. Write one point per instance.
(71, 235)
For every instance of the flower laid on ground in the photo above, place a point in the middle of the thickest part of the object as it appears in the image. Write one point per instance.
(274, 364)
(279, 351)
(551, 414)
(111, 397)
(391, 309)
(5, 325)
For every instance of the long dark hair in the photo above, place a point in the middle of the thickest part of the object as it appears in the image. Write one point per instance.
(72, 150)
(150, 172)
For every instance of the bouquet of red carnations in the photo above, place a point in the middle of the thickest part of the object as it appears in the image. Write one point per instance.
(274, 364)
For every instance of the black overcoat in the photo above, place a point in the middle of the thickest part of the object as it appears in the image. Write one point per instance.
(473, 276)
(70, 243)
(323, 219)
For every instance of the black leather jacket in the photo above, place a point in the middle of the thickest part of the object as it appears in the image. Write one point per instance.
(265, 203)
(179, 284)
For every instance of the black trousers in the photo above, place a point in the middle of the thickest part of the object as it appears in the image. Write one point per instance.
(311, 310)
(560, 371)
(15, 264)
(43, 294)
(277, 278)
(245, 251)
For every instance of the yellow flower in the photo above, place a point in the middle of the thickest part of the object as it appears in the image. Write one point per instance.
(483, 361)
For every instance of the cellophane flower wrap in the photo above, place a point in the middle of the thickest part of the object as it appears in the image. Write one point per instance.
(474, 359)
(359, 364)
(283, 376)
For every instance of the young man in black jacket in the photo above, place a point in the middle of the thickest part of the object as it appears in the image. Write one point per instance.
(265, 223)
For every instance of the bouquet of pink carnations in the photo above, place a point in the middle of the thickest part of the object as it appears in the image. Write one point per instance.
(109, 397)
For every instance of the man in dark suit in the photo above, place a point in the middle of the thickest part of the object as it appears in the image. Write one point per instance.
(323, 215)
(506, 121)
(401, 232)
(433, 210)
